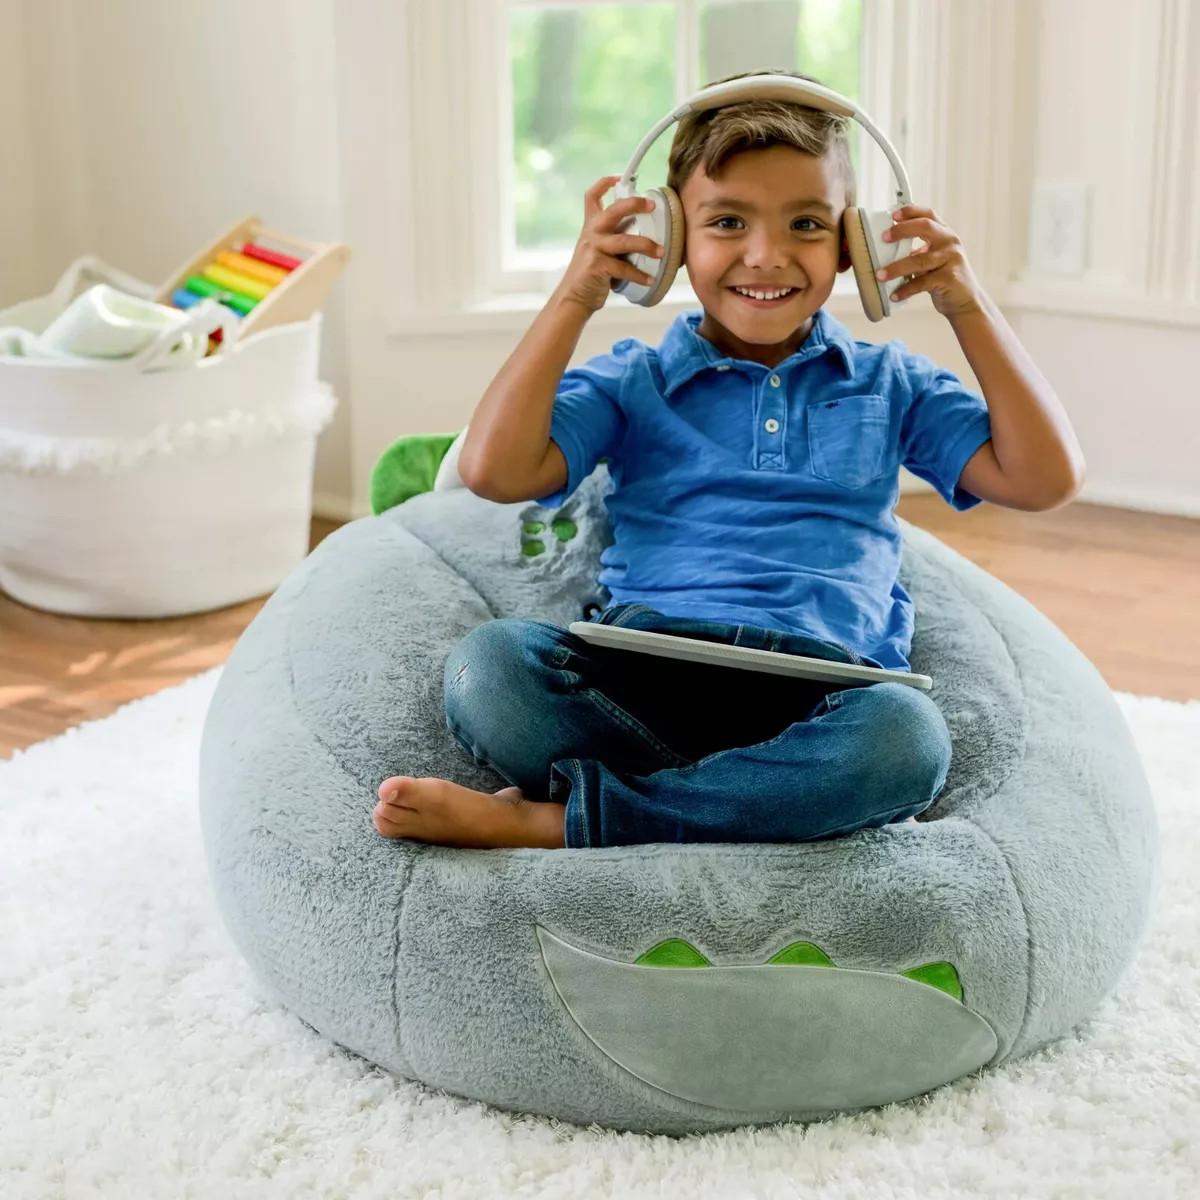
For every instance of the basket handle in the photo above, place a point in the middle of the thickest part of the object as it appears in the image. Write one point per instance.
(206, 317)
(94, 270)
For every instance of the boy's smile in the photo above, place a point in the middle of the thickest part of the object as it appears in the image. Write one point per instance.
(764, 245)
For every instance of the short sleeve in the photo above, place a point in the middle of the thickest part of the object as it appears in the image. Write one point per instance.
(945, 424)
(588, 422)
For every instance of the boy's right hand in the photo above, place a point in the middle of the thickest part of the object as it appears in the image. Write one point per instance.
(596, 261)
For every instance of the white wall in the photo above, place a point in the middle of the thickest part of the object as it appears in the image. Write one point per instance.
(156, 128)
(138, 129)
(1132, 394)
(19, 275)
(1118, 107)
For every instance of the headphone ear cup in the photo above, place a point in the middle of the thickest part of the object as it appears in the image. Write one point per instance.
(668, 265)
(869, 290)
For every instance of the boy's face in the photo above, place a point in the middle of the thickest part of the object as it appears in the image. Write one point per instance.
(771, 222)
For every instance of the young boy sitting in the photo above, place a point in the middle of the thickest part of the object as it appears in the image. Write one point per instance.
(754, 456)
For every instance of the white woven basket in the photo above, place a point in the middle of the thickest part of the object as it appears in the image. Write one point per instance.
(128, 492)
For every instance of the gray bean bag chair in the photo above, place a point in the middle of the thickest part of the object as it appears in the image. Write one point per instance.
(665, 988)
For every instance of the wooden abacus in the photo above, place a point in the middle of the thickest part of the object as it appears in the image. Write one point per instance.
(267, 277)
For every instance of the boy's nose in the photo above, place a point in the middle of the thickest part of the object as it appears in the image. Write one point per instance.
(764, 253)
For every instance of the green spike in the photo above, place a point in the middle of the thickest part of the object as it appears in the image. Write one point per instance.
(529, 549)
(564, 530)
(673, 953)
(534, 526)
(801, 954)
(940, 975)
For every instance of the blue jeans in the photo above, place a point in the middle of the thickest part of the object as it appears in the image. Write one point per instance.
(647, 749)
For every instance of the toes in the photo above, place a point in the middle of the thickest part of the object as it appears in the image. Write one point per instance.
(393, 821)
(390, 789)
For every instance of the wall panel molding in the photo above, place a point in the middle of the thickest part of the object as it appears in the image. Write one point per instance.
(962, 118)
(1174, 253)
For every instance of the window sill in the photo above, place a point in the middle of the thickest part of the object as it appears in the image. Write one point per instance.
(1100, 299)
(514, 311)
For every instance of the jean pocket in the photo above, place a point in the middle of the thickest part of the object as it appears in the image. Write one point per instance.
(848, 440)
(625, 613)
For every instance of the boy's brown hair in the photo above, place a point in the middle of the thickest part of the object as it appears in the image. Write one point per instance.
(714, 136)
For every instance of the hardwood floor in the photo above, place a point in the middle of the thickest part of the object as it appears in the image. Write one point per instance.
(56, 672)
(1122, 585)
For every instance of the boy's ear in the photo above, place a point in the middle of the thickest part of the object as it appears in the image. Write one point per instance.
(844, 263)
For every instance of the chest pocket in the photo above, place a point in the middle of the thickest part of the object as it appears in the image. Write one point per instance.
(848, 440)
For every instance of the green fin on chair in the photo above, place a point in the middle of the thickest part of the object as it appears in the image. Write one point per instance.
(801, 954)
(673, 953)
(940, 975)
(407, 468)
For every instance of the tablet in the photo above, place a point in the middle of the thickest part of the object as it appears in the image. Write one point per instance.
(668, 645)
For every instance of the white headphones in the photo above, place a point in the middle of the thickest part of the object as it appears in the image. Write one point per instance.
(665, 223)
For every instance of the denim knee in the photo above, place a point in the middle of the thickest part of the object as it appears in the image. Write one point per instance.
(906, 751)
(491, 670)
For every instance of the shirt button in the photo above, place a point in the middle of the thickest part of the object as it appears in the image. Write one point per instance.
(774, 381)
(723, 367)
(771, 425)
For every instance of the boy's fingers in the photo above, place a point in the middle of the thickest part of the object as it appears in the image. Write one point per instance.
(909, 290)
(915, 264)
(617, 244)
(911, 210)
(591, 198)
(620, 269)
(918, 227)
(618, 210)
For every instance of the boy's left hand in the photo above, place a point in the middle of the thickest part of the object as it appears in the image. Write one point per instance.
(939, 267)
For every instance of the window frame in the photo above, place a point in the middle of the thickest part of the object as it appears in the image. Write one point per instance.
(420, 86)
(503, 271)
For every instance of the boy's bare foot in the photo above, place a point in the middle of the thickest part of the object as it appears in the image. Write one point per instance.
(436, 810)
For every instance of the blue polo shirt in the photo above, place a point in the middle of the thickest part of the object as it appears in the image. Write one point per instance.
(766, 497)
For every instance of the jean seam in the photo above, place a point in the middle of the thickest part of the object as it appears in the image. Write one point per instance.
(622, 717)
(580, 824)
(630, 612)
(635, 726)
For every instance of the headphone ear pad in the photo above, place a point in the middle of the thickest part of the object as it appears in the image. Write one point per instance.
(668, 265)
(869, 290)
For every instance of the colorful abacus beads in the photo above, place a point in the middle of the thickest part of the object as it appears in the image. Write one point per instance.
(284, 261)
(205, 287)
(237, 278)
(251, 268)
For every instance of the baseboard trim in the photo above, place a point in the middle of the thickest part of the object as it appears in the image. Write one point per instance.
(338, 508)
(1140, 499)
(1171, 504)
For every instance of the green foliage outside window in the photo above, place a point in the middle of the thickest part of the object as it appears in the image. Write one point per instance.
(588, 82)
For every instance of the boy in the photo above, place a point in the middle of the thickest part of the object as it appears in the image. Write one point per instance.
(754, 457)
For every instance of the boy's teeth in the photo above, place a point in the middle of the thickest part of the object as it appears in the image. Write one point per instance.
(764, 295)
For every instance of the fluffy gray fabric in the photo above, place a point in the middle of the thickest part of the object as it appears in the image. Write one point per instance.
(509, 975)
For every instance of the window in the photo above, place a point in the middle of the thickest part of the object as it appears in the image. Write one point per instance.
(587, 80)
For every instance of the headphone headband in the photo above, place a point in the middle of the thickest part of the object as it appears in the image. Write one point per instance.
(767, 87)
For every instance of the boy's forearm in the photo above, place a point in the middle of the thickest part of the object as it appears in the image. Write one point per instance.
(509, 433)
(1032, 438)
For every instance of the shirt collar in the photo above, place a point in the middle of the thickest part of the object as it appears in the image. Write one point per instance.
(683, 353)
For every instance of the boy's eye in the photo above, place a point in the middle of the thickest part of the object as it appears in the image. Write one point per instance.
(813, 224)
(719, 222)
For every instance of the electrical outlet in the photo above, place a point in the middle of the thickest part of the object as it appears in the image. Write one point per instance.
(1058, 229)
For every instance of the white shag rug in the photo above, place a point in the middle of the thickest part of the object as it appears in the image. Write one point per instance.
(137, 1059)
